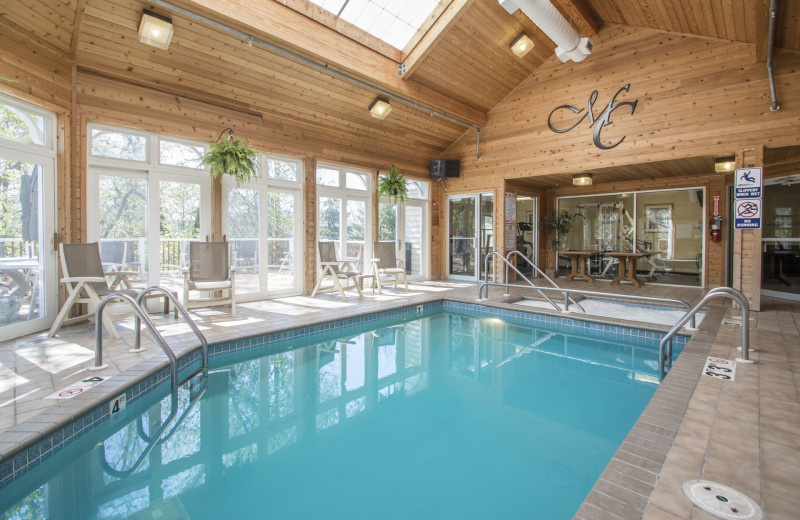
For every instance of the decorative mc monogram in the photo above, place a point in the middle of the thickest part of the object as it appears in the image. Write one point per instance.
(603, 121)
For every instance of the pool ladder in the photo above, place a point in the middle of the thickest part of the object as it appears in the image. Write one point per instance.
(665, 346)
(142, 316)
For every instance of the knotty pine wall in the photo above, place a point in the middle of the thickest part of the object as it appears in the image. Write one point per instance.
(696, 97)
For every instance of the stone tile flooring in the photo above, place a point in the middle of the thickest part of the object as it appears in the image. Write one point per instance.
(744, 434)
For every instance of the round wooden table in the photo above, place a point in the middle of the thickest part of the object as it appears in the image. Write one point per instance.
(628, 273)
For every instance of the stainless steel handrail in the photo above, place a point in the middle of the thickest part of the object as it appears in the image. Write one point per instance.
(181, 310)
(568, 291)
(508, 264)
(665, 354)
(536, 268)
(98, 353)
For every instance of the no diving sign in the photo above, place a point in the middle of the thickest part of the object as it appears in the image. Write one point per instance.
(77, 388)
(747, 214)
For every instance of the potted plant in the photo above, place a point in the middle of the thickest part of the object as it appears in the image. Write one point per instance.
(392, 185)
(233, 157)
(556, 226)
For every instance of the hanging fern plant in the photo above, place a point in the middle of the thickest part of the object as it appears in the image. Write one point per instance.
(233, 157)
(393, 185)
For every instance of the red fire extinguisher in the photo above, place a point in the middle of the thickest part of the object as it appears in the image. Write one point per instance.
(716, 228)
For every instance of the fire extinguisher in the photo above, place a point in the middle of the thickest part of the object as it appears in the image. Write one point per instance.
(716, 228)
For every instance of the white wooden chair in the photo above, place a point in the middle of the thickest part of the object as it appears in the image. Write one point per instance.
(210, 274)
(385, 263)
(86, 283)
(336, 270)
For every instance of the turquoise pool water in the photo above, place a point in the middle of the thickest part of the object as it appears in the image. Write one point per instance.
(447, 416)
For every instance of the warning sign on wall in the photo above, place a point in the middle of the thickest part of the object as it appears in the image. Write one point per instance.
(747, 214)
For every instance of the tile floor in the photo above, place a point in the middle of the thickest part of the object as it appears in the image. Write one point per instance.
(744, 434)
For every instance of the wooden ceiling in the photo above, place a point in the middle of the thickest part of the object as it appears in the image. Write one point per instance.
(462, 67)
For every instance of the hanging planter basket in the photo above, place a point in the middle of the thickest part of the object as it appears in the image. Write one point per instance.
(232, 157)
(392, 185)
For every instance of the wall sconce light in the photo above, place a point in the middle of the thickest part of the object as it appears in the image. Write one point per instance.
(521, 45)
(724, 164)
(155, 30)
(380, 108)
(582, 179)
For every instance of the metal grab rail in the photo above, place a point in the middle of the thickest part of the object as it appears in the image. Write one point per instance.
(665, 358)
(536, 268)
(181, 310)
(98, 353)
(155, 440)
(508, 264)
(613, 296)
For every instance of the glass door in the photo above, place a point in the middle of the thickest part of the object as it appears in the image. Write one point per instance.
(462, 243)
(405, 224)
(27, 259)
(780, 249)
(28, 286)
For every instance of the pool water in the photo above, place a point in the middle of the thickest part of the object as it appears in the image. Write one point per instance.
(447, 416)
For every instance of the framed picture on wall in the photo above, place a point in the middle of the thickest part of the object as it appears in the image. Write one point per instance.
(658, 218)
(529, 217)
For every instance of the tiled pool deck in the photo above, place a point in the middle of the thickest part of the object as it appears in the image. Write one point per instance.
(744, 434)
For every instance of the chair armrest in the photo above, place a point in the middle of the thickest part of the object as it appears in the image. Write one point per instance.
(120, 273)
(330, 263)
(376, 260)
(87, 279)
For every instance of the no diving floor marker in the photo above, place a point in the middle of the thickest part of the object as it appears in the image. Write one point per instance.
(78, 388)
(721, 501)
(718, 368)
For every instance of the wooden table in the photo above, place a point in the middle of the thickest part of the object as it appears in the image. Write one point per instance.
(579, 263)
(628, 274)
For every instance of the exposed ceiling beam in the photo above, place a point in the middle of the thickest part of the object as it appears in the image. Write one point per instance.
(761, 21)
(80, 8)
(295, 32)
(580, 15)
(434, 35)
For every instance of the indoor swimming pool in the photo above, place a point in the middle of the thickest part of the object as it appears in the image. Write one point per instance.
(457, 414)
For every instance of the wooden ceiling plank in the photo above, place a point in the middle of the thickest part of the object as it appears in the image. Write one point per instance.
(434, 35)
(760, 20)
(291, 30)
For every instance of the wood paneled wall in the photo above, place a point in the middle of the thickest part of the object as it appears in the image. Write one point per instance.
(696, 97)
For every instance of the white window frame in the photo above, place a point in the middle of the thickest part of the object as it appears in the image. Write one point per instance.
(347, 194)
(154, 172)
(264, 185)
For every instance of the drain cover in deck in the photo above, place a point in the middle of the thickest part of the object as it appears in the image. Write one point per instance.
(721, 501)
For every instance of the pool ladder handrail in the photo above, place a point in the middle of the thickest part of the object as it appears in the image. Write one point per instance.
(514, 252)
(142, 316)
(665, 346)
(568, 291)
(155, 440)
(510, 265)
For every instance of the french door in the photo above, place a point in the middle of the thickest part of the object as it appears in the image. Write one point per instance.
(28, 291)
(406, 224)
(780, 242)
(470, 233)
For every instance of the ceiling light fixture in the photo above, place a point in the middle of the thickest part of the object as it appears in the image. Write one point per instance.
(724, 164)
(521, 45)
(380, 108)
(582, 179)
(155, 30)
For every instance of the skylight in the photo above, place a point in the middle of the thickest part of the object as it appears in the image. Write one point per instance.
(393, 21)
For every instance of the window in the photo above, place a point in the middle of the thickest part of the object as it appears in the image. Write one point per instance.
(148, 197)
(263, 221)
(343, 199)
